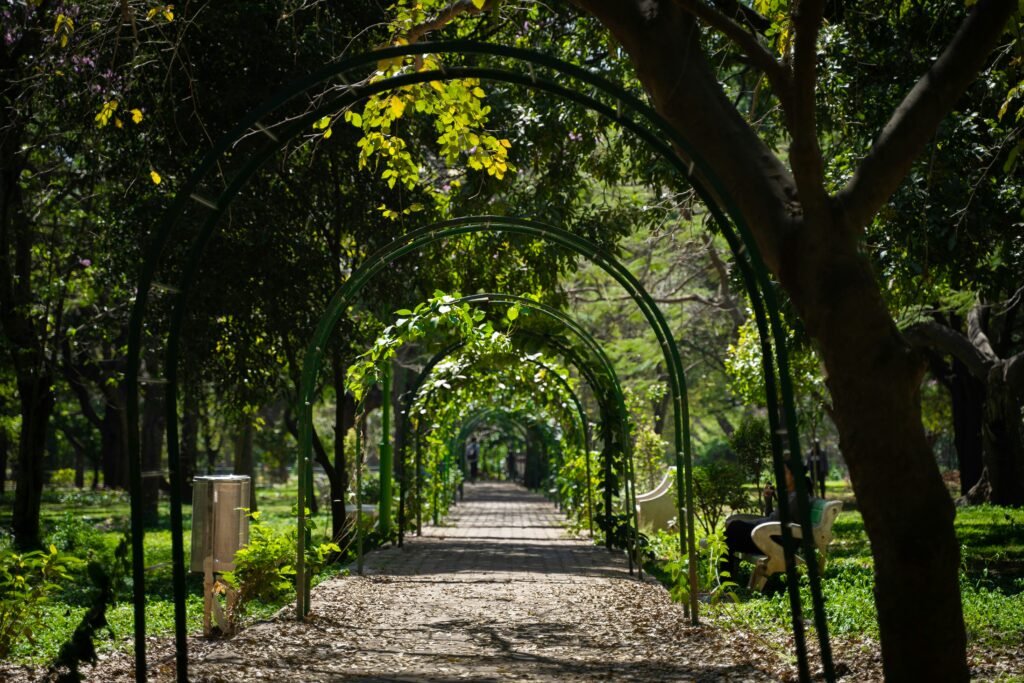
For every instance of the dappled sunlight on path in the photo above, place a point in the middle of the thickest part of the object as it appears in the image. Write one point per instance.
(499, 593)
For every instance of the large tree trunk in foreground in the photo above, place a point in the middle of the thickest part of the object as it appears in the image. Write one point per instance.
(874, 378)
(813, 242)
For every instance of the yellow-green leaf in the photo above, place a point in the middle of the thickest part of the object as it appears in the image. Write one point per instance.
(155, 177)
(136, 116)
(106, 112)
(397, 106)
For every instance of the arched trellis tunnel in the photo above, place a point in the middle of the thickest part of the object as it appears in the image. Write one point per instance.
(619, 412)
(380, 262)
(603, 98)
(427, 235)
(411, 395)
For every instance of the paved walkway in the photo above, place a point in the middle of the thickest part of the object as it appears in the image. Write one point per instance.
(499, 593)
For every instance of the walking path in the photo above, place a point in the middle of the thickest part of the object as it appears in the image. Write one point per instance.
(500, 593)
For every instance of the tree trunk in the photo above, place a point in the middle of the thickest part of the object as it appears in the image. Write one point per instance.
(968, 400)
(152, 447)
(37, 401)
(4, 450)
(1002, 480)
(344, 419)
(813, 244)
(874, 378)
(114, 441)
(79, 465)
(244, 457)
(189, 449)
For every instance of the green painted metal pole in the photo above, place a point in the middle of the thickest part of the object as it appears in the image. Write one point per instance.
(360, 426)
(386, 454)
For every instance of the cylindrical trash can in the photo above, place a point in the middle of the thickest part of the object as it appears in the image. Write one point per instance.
(220, 520)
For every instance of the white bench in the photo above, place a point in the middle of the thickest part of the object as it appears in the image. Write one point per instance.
(773, 559)
(656, 508)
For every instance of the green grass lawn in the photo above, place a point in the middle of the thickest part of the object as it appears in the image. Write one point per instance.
(991, 581)
(85, 524)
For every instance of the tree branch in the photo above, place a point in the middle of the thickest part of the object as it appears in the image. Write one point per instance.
(948, 341)
(445, 17)
(1013, 373)
(976, 334)
(746, 42)
(918, 116)
(744, 15)
(805, 152)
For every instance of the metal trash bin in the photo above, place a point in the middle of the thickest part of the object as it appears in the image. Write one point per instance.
(220, 526)
(220, 520)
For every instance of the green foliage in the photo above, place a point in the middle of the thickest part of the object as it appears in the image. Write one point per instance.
(745, 370)
(649, 448)
(751, 442)
(73, 534)
(572, 484)
(713, 584)
(27, 581)
(438, 314)
(63, 478)
(718, 486)
(264, 568)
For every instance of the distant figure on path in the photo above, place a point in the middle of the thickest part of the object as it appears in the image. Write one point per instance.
(473, 458)
(817, 466)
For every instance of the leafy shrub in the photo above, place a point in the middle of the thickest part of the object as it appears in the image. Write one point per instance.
(369, 490)
(73, 534)
(713, 584)
(751, 442)
(716, 486)
(26, 581)
(63, 478)
(264, 569)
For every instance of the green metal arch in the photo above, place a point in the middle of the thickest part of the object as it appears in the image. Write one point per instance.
(753, 272)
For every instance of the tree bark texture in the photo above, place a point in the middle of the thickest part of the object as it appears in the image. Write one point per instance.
(968, 401)
(344, 419)
(114, 440)
(37, 401)
(244, 457)
(151, 452)
(812, 244)
(5, 447)
(189, 450)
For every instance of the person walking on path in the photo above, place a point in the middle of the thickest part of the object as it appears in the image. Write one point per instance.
(473, 458)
